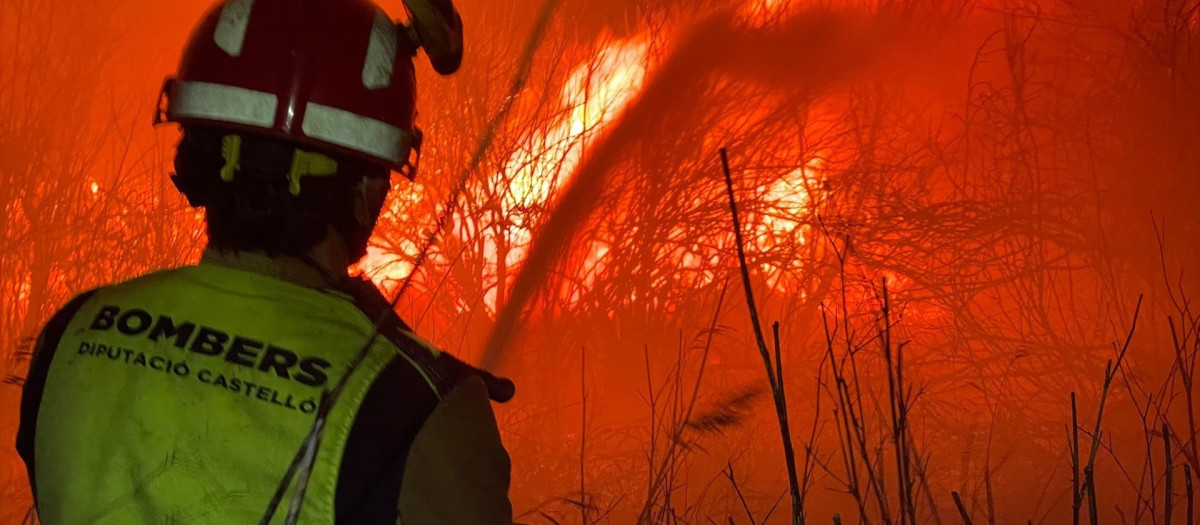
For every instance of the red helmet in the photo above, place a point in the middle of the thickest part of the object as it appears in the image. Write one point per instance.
(334, 75)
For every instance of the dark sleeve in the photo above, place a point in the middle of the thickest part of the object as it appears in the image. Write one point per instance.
(458, 471)
(373, 462)
(402, 420)
(35, 380)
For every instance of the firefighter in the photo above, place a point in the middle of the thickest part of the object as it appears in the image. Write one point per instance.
(186, 395)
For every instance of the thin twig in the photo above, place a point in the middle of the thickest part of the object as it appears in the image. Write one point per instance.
(962, 510)
(1076, 493)
(899, 413)
(775, 380)
(1090, 479)
(666, 465)
(1191, 496)
(583, 434)
(738, 490)
(1170, 473)
(1110, 371)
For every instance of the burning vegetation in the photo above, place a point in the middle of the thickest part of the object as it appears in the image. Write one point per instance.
(888, 262)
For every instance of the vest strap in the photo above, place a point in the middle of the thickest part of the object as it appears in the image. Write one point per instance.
(443, 369)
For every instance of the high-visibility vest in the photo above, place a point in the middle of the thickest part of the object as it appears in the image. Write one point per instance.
(183, 396)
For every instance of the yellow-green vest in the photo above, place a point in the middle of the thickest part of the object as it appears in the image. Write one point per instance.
(182, 397)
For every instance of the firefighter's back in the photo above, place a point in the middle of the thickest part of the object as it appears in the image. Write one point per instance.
(182, 396)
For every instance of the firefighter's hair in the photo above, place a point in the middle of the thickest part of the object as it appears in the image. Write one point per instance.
(255, 211)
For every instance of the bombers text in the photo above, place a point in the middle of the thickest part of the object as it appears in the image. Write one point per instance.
(204, 340)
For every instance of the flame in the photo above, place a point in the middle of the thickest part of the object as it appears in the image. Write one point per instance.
(383, 263)
(763, 13)
(780, 225)
(594, 95)
(780, 222)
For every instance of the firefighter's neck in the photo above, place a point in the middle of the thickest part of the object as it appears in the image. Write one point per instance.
(329, 258)
(322, 266)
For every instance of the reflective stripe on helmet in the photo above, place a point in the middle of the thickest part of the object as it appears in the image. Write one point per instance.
(381, 53)
(363, 134)
(230, 33)
(267, 64)
(205, 100)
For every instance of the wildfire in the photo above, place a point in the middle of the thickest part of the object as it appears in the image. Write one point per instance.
(762, 13)
(386, 267)
(595, 94)
(780, 225)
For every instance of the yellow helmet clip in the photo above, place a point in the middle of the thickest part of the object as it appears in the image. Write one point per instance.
(304, 163)
(231, 149)
(309, 164)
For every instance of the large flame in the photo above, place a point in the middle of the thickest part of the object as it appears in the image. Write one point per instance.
(388, 268)
(593, 96)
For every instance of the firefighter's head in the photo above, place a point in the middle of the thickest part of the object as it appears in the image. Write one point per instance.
(296, 114)
(262, 193)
